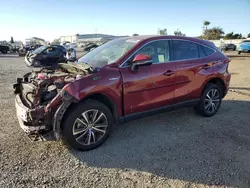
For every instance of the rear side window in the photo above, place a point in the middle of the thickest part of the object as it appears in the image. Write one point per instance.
(201, 51)
(208, 51)
(185, 50)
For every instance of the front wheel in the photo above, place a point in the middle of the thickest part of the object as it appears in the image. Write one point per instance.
(210, 100)
(87, 126)
(239, 52)
(36, 63)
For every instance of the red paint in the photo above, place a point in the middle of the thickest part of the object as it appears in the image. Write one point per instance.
(155, 85)
(142, 57)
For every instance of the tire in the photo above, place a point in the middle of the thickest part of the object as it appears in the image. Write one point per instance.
(4, 51)
(87, 136)
(36, 63)
(204, 108)
(239, 52)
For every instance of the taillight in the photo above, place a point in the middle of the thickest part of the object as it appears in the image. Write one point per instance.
(226, 61)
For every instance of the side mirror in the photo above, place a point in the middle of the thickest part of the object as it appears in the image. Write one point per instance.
(141, 60)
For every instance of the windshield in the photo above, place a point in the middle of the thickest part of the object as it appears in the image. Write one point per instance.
(39, 50)
(108, 53)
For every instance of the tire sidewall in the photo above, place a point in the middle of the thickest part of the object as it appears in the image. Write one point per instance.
(70, 118)
(202, 100)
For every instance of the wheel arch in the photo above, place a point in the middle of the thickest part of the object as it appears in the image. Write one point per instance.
(106, 100)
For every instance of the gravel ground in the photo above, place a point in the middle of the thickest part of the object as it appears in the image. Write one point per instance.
(166, 150)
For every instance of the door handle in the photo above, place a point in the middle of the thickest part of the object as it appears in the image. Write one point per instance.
(168, 73)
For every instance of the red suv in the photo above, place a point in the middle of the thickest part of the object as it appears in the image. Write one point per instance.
(121, 80)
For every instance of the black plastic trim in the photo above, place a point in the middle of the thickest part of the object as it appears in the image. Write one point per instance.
(151, 112)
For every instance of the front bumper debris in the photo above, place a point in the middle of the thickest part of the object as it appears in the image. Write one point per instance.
(36, 132)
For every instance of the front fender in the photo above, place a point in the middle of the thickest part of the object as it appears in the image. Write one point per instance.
(107, 81)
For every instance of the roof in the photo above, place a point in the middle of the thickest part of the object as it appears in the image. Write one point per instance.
(84, 36)
(145, 38)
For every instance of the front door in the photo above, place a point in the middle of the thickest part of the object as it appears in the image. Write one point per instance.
(151, 86)
(52, 56)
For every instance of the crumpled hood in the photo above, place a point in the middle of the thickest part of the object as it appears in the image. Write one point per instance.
(75, 67)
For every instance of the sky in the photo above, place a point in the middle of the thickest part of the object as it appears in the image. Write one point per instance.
(50, 19)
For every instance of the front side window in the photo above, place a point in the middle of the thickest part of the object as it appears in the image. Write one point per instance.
(184, 50)
(158, 50)
(51, 50)
(39, 50)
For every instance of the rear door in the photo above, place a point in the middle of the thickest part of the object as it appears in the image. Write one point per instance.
(190, 59)
(151, 86)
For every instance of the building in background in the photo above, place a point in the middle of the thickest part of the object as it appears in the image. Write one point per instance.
(87, 38)
(35, 40)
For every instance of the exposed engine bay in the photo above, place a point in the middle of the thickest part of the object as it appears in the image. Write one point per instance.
(40, 87)
(40, 95)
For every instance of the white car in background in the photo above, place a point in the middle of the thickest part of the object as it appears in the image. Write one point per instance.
(70, 46)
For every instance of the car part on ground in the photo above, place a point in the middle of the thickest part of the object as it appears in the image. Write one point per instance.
(124, 79)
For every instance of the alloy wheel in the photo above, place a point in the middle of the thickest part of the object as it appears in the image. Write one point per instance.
(212, 100)
(90, 127)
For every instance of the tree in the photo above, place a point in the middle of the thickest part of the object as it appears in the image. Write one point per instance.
(179, 33)
(206, 23)
(233, 36)
(248, 36)
(11, 40)
(162, 31)
(135, 34)
(215, 33)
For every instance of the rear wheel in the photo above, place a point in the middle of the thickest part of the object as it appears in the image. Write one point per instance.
(4, 51)
(239, 52)
(210, 100)
(87, 126)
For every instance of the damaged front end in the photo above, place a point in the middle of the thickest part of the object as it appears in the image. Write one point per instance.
(41, 99)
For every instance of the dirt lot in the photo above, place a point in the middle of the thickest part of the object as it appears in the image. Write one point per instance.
(174, 149)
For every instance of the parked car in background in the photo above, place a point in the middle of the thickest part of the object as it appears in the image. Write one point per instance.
(45, 56)
(70, 46)
(244, 47)
(123, 79)
(4, 49)
(226, 47)
(23, 50)
(61, 47)
(90, 47)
